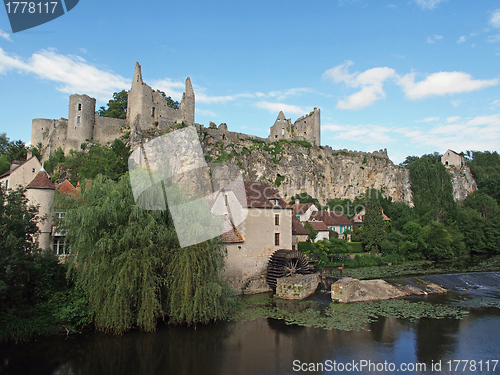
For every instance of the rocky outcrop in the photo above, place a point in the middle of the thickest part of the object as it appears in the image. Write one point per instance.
(353, 290)
(463, 182)
(296, 167)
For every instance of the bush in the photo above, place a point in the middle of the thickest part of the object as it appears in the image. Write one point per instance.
(355, 247)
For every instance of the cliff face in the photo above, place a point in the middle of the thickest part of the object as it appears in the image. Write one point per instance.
(463, 182)
(296, 167)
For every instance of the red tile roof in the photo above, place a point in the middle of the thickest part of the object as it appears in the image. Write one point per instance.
(258, 195)
(319, 226)
(301, 208)
(230, 234)
(332, 218)
(41, 181)
(297, 227)
(67, 188)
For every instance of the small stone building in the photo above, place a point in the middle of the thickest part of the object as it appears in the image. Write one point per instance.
(322, 229)
(299, 233)
(452, 159)
(304, 210)
(21, 173)
(266, 228)
(307, 128)
(336, 221)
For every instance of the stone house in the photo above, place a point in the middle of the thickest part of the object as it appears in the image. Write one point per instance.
(21, 173)
(303, 211)
(452, 159)
(266, 228)
(336, 221)
(299, 233)
(322, 229)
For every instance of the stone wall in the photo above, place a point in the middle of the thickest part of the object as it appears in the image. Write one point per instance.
(307, 127)
(107, 129)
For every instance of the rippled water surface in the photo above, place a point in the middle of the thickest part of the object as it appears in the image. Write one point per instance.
(268, 346)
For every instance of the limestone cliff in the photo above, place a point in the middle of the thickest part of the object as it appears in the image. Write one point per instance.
(463, 182)
(297, 167)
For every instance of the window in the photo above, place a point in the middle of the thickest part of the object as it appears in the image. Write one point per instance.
(225, 199)
(60, 214)
(59, 246)
(6, 184)
(33, 170)
(276, 239)
(78, 119)
(283, 131)
(79, 106)
(276, 219)
(152, 111)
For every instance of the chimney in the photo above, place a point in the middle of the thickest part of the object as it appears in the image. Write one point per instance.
(328, 209)
(297, 201)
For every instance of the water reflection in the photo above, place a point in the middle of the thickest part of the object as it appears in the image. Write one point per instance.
(263, 346)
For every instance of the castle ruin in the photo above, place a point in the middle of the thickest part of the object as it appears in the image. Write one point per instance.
(147, 109)
(307, 128)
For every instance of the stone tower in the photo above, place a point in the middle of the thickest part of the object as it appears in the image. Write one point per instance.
(40, 191)
(187, 103)
(81, 119)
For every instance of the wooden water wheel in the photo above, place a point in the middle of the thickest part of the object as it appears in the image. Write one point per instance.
(285, 263)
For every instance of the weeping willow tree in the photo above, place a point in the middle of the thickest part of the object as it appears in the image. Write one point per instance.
(131, 267)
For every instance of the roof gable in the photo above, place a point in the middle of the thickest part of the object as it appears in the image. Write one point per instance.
(332, 218)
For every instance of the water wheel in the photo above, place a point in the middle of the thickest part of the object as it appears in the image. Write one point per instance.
(285, 263)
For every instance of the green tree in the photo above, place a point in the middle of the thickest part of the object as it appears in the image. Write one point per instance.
(311, 231)
(170, 102)
(432, 190)
(485, 167)
(304, 198)
(117, 107)
(129, 264)
(373, 222)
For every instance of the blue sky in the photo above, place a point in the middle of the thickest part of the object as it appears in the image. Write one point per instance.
(413, 76)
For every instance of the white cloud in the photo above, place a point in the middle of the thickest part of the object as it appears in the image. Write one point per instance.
(72, 72)
(5, 35)
(428, 4)
(494, 38)
(442, 83)
(478, 133)
(281, 95)
(171, 88)
(286, 108)
(201, 97)
(495, 19)
(430, 119)
(370, 81)
(205, 112)
(462, 39)
(366, 134)
(455, 103)
(435, 37)
(453, 119)
(495, 103)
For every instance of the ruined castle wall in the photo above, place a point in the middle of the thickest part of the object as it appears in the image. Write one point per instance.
(308, 127)
(282, 129)
(50, 133)
(107, 129)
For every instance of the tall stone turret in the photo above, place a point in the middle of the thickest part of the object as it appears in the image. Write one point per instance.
(81, 119)
(40, 191)
(187, 103)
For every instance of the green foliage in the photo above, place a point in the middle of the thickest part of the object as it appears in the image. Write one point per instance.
(311, 231)
(432, 190)
(111, 162)
(304, 198)
(279, 180)
(117, 107)
(373, 223)
(485, 167)
(10, 151)
(355, 247)
(129, 264)
(170, 102)
(343, 205)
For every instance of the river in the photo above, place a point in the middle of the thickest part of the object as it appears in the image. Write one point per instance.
(269, 346)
